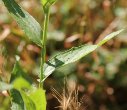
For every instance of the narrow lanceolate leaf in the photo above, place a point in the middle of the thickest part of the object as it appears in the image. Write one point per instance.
(73, 55)
(67, 57)
(110, 36)
(38, 97)
(30, 26)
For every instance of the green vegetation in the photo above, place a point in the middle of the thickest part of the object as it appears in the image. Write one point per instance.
(26, 93)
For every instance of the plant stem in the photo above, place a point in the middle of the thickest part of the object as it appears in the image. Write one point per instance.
(43, 51)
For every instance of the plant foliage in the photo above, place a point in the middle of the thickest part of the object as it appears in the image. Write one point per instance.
(73, 55)
(23, 95)
(29, 25)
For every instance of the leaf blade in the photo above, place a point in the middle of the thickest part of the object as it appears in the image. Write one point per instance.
(19, 80)
(69, 56)
(110, 36)
(77, 53)
(47, 4)
(25, 21)
(16, 100)
(29, 104)
(38, 97)
(21, 83)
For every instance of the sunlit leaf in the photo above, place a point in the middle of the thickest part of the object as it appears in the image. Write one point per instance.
(30, 26)
(108, 37)
(47, 4)
(73, 55)
(44, 2)
(67, 57)
(50, 2)
(28, 102)
(35, 100)
(22, 101)
(20, 83)
(39, 99)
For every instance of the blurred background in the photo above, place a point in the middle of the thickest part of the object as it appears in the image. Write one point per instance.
(101, 77)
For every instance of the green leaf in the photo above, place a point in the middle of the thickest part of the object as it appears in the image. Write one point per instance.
(16, 100)
(21, 83)
(73, 55)
(51, 2)
(5, 86)
(39, 99)
(20, 80)
(29, 104)
(30, 26)
(22, 101)
(47, 4)
(35, 100)
(67, 57)
(110, 36)
(44, 2)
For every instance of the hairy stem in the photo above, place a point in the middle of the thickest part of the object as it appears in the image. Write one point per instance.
(43, 51)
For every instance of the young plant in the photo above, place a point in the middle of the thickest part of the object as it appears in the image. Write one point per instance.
(23, 95)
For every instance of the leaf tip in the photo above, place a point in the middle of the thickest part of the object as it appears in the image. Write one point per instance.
(110, 36)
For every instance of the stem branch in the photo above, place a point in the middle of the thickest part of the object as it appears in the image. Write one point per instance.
(43, 51)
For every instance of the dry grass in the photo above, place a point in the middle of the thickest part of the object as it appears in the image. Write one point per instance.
(68, 99)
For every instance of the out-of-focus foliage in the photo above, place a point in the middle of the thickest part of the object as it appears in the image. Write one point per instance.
(101, 77)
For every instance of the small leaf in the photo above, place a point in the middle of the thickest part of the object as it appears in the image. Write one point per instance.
(47, 4)
(39, 99)
(73, 55)
(30, 26)
(29, 104)
(21, 83)
(5, 86)
(52, 2)
(44, 2)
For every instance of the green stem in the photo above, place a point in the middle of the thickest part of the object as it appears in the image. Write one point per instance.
(43, 51)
